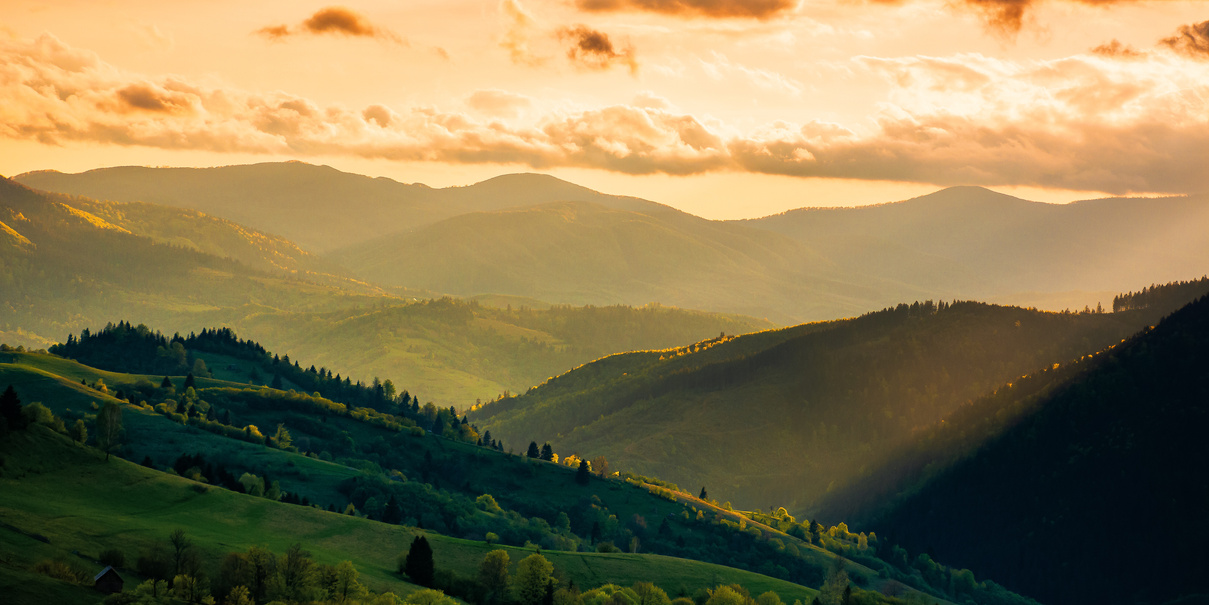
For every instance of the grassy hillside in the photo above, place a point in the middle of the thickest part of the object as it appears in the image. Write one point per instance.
(1041, 471)
(987, 245)
(81, 505)
(74, 267)
(373, 465)
(455, 353)
(583, 253)
(318, 207)
(781, 417)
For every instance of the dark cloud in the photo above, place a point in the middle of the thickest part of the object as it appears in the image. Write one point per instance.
(749, 9)
(1191, 40)
(142, 96)
(339, 20)
(1008, 16)
(333, 20)
(1117, 50)
(592, 49)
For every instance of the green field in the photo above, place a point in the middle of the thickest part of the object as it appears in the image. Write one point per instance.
(71, 496)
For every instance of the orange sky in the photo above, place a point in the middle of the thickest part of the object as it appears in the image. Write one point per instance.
(724, 108)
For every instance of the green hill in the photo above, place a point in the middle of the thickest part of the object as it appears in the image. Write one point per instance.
(63, 502)
(1042, 470)
(384, 468)
(781, 417)
(456, 352)
(78, 262)
(318, 207)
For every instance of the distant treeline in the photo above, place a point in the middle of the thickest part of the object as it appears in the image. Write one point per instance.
(1168, 296)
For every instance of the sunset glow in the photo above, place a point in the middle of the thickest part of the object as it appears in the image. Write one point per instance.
(691, 103)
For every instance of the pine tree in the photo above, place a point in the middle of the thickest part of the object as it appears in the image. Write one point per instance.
(547, 453)
(419, 566)
(276, 384)
(533, 452)
(166, 383)
(584, 474)
(10, 408)
(703, 494)
(189, 380)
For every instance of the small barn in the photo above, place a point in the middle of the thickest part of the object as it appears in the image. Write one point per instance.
(108, 581)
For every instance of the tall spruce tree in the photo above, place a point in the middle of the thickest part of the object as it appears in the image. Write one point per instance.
(584, 474)
(547, 452)
(10, 408)
(419, 566)
(533, 452)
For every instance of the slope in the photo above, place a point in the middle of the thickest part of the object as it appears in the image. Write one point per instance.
(1076, 480)
(782, 417)
(456, 352)
(978, 243)
(79, 262)
(318, 207)
(384, 468)
(584, 253)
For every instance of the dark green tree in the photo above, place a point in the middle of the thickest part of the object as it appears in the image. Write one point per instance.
(584, 474)
(419, 566)
(166, 383)
(189, 380)
(276, 384)
(533, 452)
(109, 428)
(703, 495)
(547, 452)
(10, 408)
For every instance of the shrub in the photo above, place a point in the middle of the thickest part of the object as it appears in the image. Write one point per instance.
(61, 570)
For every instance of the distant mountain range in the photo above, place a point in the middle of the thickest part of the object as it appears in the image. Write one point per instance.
(536, 236)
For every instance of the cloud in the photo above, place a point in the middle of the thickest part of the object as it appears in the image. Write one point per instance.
(1008, 16)
(591, 49)
(1079, 123)
(1191, 40)
(719, 67)
(332, 20)
(519, 25)
(718, 9)
(498, 103)
(1118, 50)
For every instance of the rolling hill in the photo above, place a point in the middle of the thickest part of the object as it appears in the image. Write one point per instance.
(343, 458)
(584, 253)
(1075, 479)
(318, 207)
(782, 417)
(975, 243)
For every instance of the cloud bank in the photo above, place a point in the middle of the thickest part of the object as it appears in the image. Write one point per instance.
(1008, 16)
(1086, 122)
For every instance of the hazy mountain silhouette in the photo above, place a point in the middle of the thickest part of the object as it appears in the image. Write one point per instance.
(973, 242)
(318, 207)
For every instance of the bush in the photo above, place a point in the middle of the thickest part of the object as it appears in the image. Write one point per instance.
(61, 570)
(112, 557)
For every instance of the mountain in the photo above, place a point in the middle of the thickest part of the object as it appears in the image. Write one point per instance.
(585, 253)
(456, 352)
(1084, 484)
(318, 207)
(971, 242)
(66, 263)
(781, 417)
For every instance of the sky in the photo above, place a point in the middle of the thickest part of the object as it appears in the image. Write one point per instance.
(723, 108)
